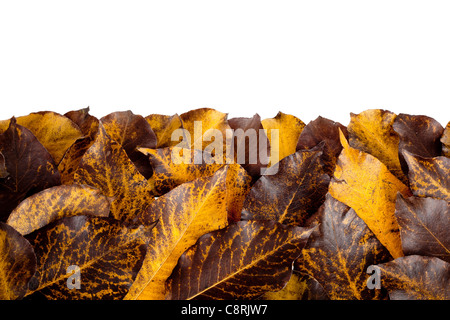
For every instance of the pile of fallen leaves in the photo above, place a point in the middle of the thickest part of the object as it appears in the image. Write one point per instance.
(96, 209)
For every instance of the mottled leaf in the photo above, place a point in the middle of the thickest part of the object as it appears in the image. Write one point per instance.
(324, 134)
(238, 186)
(242, 261)
(339, 251)
(445, 140)
(416, 278)
(31, 168)
(429, 177)
(424, 226)
(292, 194)
(185, 213)
(107, 255)
(289, 128)
(419, 135)
(17, 263)
(56, 132)
(54, 203)
(163, 126)
(131, 131)
(364, 183)
(107, 167)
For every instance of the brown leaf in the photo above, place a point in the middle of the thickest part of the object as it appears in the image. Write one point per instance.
(17, 263)
(238, 186)
(107, 255)
(107, 167)
(3, 172)
(326, 132)
(54, 203)
(56, 132)
(242, 261)
(429, 177)
(292, 194)
(31, 168)
(339, 252)
(416, 278)
(131, 131)
(163, 126)
(184, 214)
(445, 140)
(418, 135)
(374, 199)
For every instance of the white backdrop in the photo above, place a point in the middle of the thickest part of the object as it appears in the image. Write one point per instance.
(306, 58)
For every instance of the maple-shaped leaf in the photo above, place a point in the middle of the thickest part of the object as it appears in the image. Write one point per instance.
(88, 125)
(416, 278)
(364, 183)
(57, 202)
(289, 128)
(242, 261)
(163, 126)
(445, 140)
(29, 165)
(372, 131)
(419, 135)
(173, 166)
(429, 177)
(339, 252)
(249, 145)
(106, 255)
(131, 131)
(106, 166)
(424, 226)
(184, 214)
(55, 131)
(17, 263)
(323, 134)
(292, 194)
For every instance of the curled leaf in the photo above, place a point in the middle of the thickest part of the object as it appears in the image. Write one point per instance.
(445, 140)
(163, 126)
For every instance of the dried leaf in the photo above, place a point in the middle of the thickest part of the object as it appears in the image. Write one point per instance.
(289, 128)
(56, 132)
(254, 257)
(107, 255)
(163, 126)
(17, 263)
(416, 278)
(54, 203)
(418, 135)
(339, 251)
(445, 140)
(429, 177)
(374, 199)
(31, 168)
(3, 172)
(106, 167)
(185, 213)
(131, 131)
(238, 187)
(292, 194)
(424, 226)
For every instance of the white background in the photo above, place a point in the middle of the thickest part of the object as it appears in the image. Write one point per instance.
(306, 58)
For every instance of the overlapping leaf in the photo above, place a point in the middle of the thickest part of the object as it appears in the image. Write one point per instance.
(164, 126)
(445, 139)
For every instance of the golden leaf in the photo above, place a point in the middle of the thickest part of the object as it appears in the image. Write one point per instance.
(163, 126)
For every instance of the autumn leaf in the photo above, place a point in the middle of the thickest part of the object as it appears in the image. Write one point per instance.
(429, 177)
(374, 199)
(3, 172)
(56, 132)
(54, 203)
(238, 186)
(416, 278)
(445, 140)
(17, 263)
(254, 257)
(163, 126)
(29, 165)
(88, 125)
(107, 255)
(322, 134)
(184, 214)
(424, 226)
(131, 131)
(419, 135)
(339, 252)
(292, 194)
(107, 167)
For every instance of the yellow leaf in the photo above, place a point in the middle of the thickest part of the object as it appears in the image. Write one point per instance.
(364, 183)
(163, 126)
